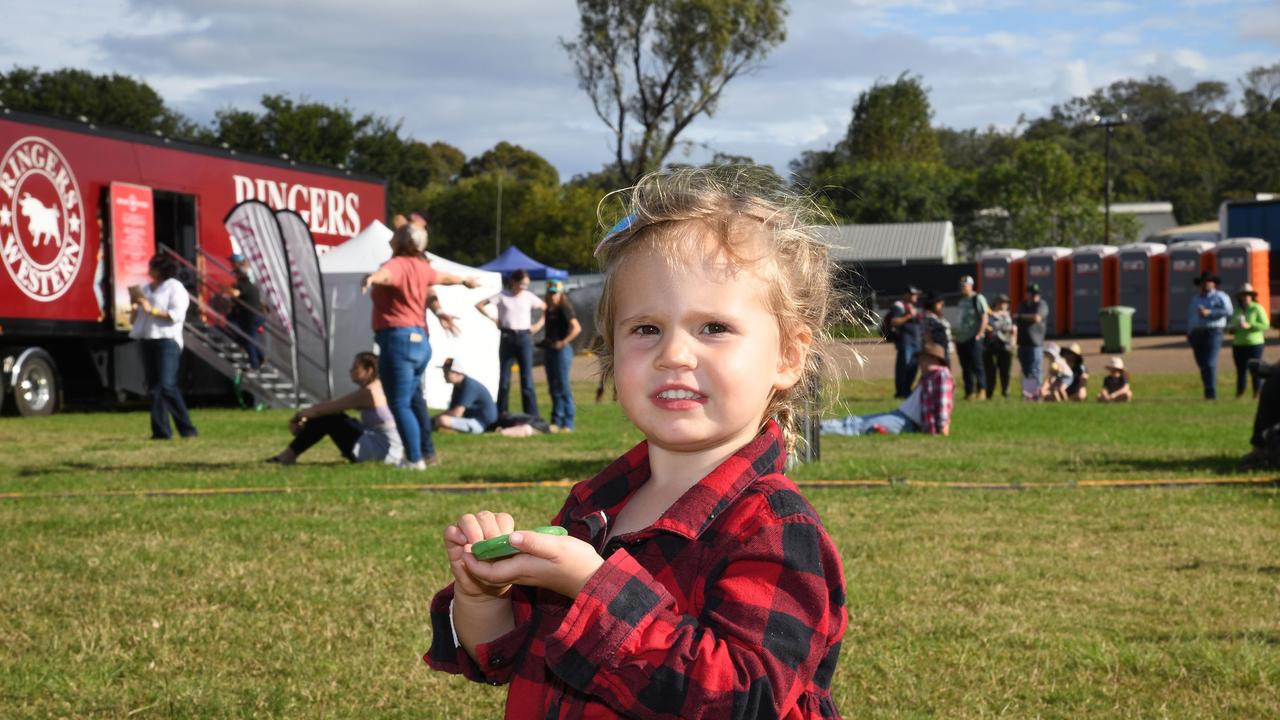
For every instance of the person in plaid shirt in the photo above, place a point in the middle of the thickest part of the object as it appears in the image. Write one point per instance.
(927, 409)
(695, 580)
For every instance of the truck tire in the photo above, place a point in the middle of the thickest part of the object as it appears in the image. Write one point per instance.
(35, 384)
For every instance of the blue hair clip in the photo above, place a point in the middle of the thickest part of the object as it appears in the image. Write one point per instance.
(621, 226)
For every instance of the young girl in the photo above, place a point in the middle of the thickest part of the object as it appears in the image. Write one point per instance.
(1115, 386)
(695, 580)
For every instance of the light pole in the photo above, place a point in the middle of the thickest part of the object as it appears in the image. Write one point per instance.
(1108, 124)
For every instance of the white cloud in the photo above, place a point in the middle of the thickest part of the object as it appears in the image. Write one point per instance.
(1073, 79)
(1262, 24)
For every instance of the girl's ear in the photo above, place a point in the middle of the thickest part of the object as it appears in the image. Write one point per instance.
(792, 359)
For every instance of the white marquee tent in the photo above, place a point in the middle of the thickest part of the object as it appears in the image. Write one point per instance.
(344, 268)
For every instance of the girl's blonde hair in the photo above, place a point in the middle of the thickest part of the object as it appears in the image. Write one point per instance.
(672, 211)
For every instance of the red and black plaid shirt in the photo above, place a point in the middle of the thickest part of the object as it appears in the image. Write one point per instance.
(731, 605)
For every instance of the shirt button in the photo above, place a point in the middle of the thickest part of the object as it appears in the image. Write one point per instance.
(496, 662)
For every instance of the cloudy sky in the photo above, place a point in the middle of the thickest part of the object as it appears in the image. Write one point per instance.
(474, 73)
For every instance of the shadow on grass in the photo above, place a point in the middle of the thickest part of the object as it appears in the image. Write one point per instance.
(34, 471)
(1223, 465)
(580, 469)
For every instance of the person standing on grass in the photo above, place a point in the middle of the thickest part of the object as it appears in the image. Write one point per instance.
(514, 318)
(969, 333)
(1248, 325)
(372, 438)
(902, 326)
(927, 410)
(936, 328)
(1207, 315)
(1031, 321)
(1000, 344)
(695, 580)
(401, 294)
(562, 328)
(158, 313)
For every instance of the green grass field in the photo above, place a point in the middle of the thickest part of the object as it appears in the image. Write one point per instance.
(1053, 601)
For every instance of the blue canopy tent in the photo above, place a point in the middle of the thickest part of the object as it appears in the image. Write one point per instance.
(512, 259)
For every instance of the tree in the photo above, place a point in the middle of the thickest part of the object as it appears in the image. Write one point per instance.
(652, 67)
(891, 124)
(116, 100)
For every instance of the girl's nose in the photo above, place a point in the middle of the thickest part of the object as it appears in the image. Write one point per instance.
(676, 351)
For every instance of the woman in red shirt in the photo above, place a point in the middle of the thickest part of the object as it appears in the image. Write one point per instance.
(401, 293)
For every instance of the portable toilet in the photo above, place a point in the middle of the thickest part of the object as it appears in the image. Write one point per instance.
(1050, 268)
(1142, 285)
(1187, 260)
(1245, 260)
(1095, 274)
(1002, 271)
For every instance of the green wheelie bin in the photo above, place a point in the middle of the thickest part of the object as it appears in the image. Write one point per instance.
(1117, 328)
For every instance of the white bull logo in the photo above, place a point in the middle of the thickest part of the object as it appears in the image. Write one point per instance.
(43, 221)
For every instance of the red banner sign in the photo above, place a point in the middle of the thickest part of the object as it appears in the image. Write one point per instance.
(133, 236)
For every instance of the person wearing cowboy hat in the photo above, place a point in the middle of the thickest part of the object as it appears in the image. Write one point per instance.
(969, 334)
(1207, 316)
(1031, 321)
(926, 410)
(999, 346)
(937, 329)
(1115, 386)
(902, 327)
(1247, 325)
(1078, 388)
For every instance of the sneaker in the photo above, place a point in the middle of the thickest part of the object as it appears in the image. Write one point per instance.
(407, 465)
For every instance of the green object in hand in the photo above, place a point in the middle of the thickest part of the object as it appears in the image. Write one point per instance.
(496, 548)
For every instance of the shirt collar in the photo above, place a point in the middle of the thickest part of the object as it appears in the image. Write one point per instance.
(690, 515)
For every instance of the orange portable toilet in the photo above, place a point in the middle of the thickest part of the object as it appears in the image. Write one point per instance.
(1245, 260)
(1050, 268)
(1095, 275)
(1187, 259)
(1142, 281)
(1002, 271)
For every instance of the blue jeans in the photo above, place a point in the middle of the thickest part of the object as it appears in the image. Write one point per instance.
(905, 368)
(558, 363)
(1206, 343)
(1242, 354)
(1031, 357)
(160, 369)
(249, 324)
(401, 363)
(894, 422)
(516, 346)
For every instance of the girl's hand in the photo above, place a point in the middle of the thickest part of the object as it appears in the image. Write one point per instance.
(555, 562)
(458, 539)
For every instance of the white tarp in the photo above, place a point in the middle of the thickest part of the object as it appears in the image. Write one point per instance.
(344, 268)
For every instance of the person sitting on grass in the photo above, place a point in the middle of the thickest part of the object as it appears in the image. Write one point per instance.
(472, 410)
(1115, 386)
(927, 409)
(372, 437)
(1265, 441)
(1078, 388)
(1057, 375)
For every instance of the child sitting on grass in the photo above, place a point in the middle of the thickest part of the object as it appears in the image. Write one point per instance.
(1115, 386)
(695, 580)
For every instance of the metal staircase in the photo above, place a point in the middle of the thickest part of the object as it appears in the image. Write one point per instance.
(210, 336)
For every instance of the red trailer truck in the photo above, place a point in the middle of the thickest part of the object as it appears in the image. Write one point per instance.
(74, 211)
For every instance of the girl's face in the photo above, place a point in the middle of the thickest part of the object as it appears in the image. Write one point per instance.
(519, 287)
(361, 375)
(697, 352)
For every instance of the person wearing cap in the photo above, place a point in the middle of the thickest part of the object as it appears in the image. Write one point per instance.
(1115, 386)
(999, 346)
(557, 346)
(902, 328)
(1248, 325)
(926, 410)
(471, 407)
(1207, 315)
(969, 333)
(1031, 320)
(935, 327)
(246, 310)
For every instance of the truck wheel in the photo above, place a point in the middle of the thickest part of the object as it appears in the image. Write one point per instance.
(35, 390)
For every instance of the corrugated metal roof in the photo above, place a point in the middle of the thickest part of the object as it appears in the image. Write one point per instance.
(892, 242)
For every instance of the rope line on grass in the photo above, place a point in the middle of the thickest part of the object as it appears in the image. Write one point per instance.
(564, 483)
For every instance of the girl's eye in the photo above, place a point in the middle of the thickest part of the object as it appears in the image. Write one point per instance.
(645, 330)
(715, 328)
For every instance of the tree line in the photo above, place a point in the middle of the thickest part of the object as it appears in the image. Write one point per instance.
(1040, 183)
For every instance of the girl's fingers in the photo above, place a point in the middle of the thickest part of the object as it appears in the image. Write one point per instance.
(506, 523)
(470, 526)
(488, 523)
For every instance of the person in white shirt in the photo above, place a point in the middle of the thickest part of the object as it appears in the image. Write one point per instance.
(514, 319)
(158, 312)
